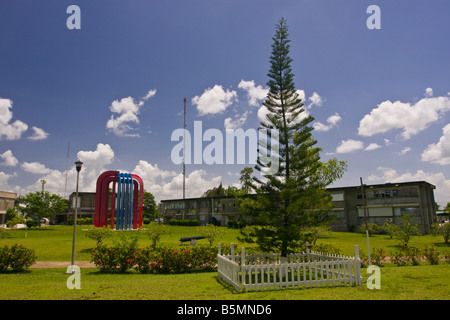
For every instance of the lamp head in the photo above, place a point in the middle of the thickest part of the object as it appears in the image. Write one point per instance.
(78, 165)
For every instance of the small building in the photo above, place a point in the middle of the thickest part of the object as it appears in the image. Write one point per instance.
(85, 207)
(384, 202)
(7, 201)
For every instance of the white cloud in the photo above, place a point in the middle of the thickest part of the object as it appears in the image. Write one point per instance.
(128, 110)
(39, 134)
(405, 150)
(4, 177)
(428, 92)
(164, 184)
(332, 122)
(349, 145)
(410, 118)
(316, 100)
(94, 163)
(150, 94)
(9, 159)
(439, 152)
(254, 93)
(35, 167)
(437, 179)
(235, 123)
(372, 146)
(102, 155)
(11, 131)
(214, 100)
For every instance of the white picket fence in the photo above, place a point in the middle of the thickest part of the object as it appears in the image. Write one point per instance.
(303, 270)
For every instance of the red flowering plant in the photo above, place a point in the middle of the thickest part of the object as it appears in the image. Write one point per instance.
(413, 254)
(431, 254)
(378, 257)
(119, 257)
(16, 257)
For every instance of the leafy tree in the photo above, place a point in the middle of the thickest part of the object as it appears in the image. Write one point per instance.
(215, 192)
(389, 227)
(441, 229)
(406, 230)
(246, 179)
(295, 197)
(211, 232)
(43, 205)
(10, 213)
(99, 234)
(149, 208)
(155, 231)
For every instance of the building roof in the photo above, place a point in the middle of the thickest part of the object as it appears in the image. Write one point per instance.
(387, 185)
(9, 195)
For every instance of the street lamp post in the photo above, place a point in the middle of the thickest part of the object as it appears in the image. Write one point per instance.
(78, 165)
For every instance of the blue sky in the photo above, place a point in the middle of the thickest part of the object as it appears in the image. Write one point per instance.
(111, 93)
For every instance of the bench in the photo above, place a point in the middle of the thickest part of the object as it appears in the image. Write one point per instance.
(190, 239)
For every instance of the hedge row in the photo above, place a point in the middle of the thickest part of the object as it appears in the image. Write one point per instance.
(121, 258)
(185, 222)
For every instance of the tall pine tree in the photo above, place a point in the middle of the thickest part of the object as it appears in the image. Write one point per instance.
(295, 197)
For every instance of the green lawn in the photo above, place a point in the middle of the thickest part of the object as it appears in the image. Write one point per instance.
(54, 243)
(424, 282)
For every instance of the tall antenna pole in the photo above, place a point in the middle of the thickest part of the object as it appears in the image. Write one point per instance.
(184, 151)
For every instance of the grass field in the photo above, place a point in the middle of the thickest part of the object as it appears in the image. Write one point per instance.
(54, 243)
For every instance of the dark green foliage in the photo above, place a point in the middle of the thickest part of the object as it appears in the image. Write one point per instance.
(295, 197)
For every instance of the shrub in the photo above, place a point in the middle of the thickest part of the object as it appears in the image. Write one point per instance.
(378, 257)
(431, 254)
(32, 223)
(325, 248)
(119, 257)
(446, 256)
(441, 229)
(3, 233)
(233, 224)
(399, 257)
(16, 257)
(16, 220)
(413, 255)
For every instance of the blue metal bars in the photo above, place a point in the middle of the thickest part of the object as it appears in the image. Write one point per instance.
(124, 213)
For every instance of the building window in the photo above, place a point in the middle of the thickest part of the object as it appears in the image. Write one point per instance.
(337, 197)
(412, 211)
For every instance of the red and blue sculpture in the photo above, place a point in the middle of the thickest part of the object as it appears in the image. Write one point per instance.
(127, 198)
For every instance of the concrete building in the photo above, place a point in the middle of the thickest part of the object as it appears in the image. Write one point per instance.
(383, 202)
(7, 200)
(86, 207)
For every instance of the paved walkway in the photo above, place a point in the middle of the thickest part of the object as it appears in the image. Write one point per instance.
(61, 264)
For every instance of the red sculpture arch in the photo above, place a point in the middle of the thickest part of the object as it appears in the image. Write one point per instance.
(126, 202)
